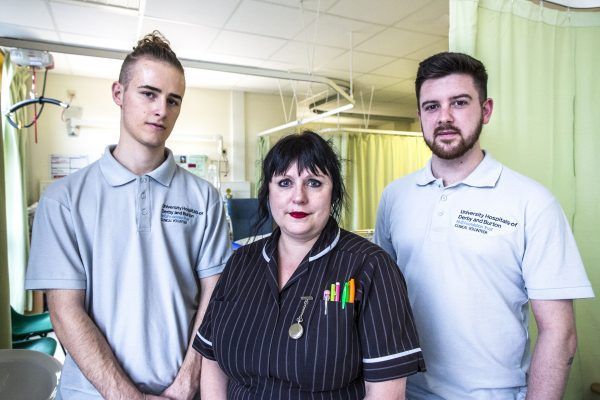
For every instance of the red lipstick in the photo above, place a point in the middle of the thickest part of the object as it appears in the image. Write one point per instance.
(298, 214)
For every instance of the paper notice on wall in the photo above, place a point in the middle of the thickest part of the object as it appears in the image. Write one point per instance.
(63, 165)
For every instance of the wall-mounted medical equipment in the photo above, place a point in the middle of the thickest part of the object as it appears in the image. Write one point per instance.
(35, 60)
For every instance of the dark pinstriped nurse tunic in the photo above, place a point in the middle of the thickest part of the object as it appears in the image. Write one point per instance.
(245, 328)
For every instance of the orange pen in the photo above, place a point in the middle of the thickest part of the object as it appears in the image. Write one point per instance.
(352, 289)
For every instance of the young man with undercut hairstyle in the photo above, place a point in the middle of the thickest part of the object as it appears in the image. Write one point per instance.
(478, 244)
(129, 248)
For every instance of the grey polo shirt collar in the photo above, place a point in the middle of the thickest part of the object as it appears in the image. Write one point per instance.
(486, 174)
(117, 175)
(325, 243)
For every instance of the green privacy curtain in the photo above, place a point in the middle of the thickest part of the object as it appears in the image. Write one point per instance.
(14, 143)
(369, 163)
(373, 162)
(5, 323)
(544, 67)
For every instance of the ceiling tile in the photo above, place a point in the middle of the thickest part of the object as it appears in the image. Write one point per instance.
(321, 5)
(94, 21)
(32, 13)
(404, 88)
(433, 18)
(384, 12)
(379, 82)
(246, 61)
(268, 19)
(361, 62)
(245, 45)
(397, 43)
(342, 74)
(27, 32)
(201, 12)
(426, 51)
(338, 32)
(301, 56)
(94, 41)
(179, 36)
(400, 68)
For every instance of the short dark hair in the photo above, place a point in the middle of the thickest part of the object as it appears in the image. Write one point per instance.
(153, 46)
(447, 63)
(311, 152)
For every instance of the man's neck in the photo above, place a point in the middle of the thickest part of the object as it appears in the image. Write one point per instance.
(138, 158)
(455, 170)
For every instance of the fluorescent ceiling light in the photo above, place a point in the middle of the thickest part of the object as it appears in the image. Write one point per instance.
(303, 121)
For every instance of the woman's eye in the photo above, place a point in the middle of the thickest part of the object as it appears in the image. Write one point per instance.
(284, 183)
(313, 183)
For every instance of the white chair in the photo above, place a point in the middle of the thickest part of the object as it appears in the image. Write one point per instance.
(28, 375)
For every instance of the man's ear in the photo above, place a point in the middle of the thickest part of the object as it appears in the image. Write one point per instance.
(117, 93)
(487, 108)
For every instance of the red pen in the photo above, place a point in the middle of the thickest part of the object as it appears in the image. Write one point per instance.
(337, 292)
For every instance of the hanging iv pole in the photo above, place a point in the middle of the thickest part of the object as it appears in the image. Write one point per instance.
(33, 59)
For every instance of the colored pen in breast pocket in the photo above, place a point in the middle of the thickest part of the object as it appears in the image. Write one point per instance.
(326, 295)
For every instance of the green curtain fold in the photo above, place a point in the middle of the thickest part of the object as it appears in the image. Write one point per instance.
(543, 67)
(5, 321)
(15, 82)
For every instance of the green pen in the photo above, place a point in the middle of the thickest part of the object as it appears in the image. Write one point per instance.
(345, 295)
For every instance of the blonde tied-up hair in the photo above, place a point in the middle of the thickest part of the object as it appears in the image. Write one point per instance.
(153, 46)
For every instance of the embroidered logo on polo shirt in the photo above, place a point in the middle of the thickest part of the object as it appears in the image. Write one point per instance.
(178, 214)
(484, 223)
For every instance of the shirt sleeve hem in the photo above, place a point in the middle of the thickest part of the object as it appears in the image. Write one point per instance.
(394, 368)
(203, 349)
(206, 272)
(581, 292)
(35, 284)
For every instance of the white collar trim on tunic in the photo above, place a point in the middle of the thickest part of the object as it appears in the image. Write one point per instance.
(312, 258)
(326, 249)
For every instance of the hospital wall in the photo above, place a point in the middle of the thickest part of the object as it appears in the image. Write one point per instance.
(236, 116)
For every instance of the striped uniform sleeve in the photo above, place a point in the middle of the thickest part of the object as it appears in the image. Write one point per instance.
(203, 342)
(389, 340)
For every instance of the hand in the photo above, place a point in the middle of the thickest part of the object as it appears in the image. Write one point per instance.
(178, 391)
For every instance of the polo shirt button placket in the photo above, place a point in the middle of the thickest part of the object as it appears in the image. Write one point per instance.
(143, 204)
(440, 221)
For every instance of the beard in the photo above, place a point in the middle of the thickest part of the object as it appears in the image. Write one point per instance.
(457, 150)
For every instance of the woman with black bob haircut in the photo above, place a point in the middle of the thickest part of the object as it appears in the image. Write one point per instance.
(312, 311)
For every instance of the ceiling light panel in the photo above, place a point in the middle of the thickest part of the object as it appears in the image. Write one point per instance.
(201, 12)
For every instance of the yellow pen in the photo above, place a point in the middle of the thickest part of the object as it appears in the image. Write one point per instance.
(333, 292)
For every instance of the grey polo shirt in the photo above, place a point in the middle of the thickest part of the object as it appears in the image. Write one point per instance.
(137, 245)
(473, 254)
